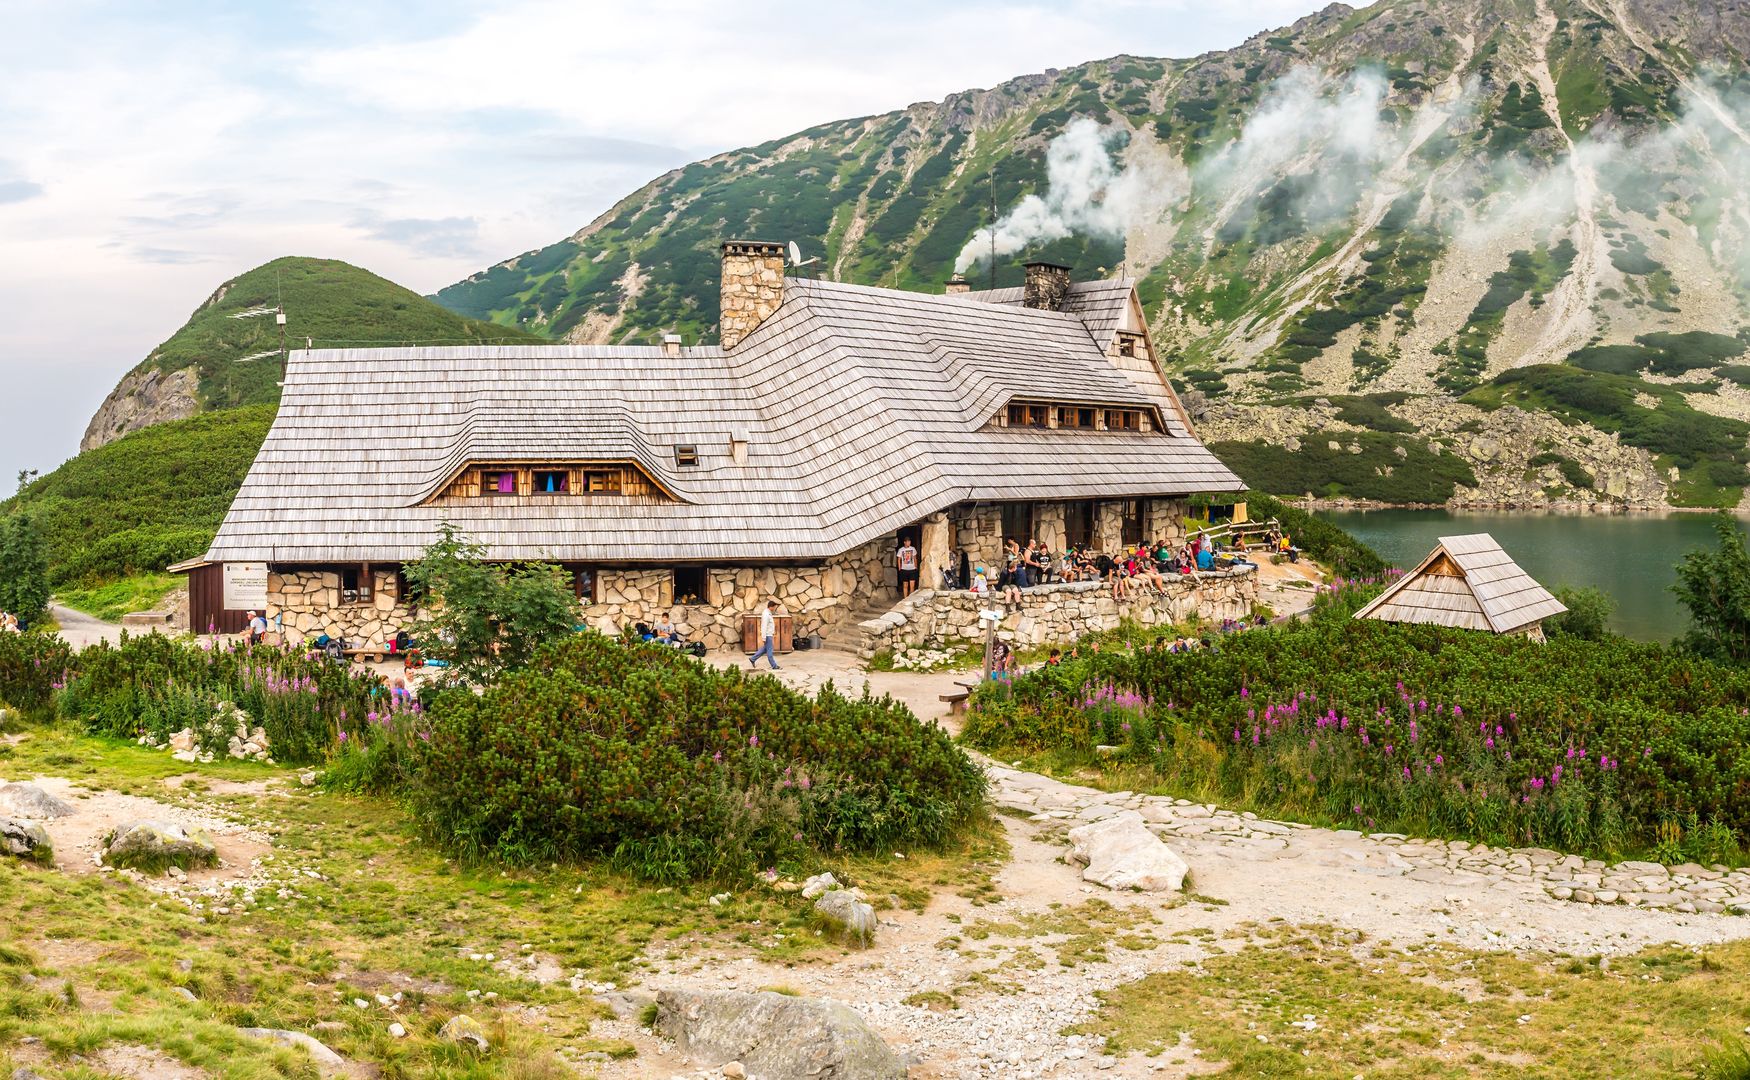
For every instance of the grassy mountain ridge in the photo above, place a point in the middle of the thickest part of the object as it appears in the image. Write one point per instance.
(1413, 198)
(235, 357)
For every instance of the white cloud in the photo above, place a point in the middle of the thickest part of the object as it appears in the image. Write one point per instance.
(153, 150)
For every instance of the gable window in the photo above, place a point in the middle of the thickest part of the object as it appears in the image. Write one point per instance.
(552, 482)
(497, 482)
(686, 457)
(602, 482)
(1129, 344)
(1123, 420)
(1029, 416)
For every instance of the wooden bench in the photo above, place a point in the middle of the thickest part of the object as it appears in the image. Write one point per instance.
(956, 700)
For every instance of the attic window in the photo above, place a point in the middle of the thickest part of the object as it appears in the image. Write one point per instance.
(1129, 344)
(686, 457)
(602, 483)
(1029, 416)
(1070, 416)
(495, 482)
(552, 482)
(1123, 420)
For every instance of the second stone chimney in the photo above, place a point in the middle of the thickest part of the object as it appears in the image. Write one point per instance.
(957, 284)
(752, 287)
(1046, 286)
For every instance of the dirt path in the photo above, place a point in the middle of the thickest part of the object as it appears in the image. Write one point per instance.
(1011, 1009)
(79, 629)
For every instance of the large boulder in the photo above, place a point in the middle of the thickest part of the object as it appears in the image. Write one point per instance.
(1120, 852)
(155, 845)
(775, 1036)
(317, 1050)
(21, 800)
(845, 911)
(25, 839)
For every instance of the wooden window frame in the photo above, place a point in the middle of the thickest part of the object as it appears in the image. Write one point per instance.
(686, 456)
(1123, 420)
(701, 596)
(613, 482)
(564, 476)
(489, 487)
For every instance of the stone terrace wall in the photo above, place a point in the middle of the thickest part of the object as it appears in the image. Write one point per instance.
(1058, 614)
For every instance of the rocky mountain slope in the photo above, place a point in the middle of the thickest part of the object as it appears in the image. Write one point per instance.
(228, 353)
(1480, 250)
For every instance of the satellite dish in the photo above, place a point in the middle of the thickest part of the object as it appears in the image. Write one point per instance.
(795, 254)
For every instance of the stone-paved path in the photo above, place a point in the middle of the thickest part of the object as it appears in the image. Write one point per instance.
(1188, 827)
(1391, 890)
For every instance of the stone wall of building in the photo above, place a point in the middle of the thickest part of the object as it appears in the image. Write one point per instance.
(752, 287)
(818, 598)
(308, 604)
(1057, 613)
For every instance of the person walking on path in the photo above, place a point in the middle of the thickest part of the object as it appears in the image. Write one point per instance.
(768, 635)
(906, 559)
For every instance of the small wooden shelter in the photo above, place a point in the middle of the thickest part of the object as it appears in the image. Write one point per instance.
(1467, 582)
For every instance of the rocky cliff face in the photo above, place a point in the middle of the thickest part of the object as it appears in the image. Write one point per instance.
(1415, 198)
(141, 399)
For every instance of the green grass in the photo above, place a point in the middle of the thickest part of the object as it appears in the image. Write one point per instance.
(146, 500)
(1378, 472)
(1435, 1011)
(113, 599)
(387, 913)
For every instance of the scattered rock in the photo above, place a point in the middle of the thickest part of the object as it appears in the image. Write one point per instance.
(818, 884)
(152, 845)
(846, 913)
(184, 993)
(321, 1054)
(307, 778)
(775, 1035)
(464, 1030)
(397, 1031)
(1120, 852)
(25, 839)
(626, 1004)
(22, 800)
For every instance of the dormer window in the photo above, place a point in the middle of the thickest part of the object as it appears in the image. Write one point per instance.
(686, 457)
(552, 482)
(495, 482)
(1123, 420)
(602, 482)
(1071, 416)
(1037, 416)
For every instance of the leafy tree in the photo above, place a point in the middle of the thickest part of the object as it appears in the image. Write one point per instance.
(24, 570)
(488, 617)
(1589, 611)
(1715, 587)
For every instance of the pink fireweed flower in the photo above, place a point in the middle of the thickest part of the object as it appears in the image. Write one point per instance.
(1489, 743)
(1406, 772)
(1439, 759)
(1236, 734)
(1388, 749)
(1499, 730)
(753, 740)
(1245, 693)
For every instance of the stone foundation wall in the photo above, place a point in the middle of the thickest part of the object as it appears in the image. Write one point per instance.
(1058, 614)
(818, 598)
(308, 604)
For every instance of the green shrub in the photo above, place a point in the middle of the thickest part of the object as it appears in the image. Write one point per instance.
(1606, 747)
(157, 685)
(1588, 614)
(1418, 475)
(677, 770)
(32, 667)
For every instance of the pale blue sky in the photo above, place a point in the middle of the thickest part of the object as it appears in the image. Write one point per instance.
(149, 150)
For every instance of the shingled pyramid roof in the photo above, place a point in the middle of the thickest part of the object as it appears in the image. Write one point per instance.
(1469, 582)
(862, 410)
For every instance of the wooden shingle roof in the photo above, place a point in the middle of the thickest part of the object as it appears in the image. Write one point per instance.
(1468, 582)
(862, 410)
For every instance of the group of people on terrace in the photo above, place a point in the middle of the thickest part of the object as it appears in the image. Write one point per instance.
(1142, 569)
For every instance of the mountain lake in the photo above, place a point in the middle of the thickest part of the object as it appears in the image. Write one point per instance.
(1629, 556)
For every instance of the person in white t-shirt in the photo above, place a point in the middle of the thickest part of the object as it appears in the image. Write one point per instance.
(906, 558)
(769, 637)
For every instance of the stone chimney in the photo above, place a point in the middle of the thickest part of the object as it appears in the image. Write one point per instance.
(957, 284)
(1047, 285)
(752, 287)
